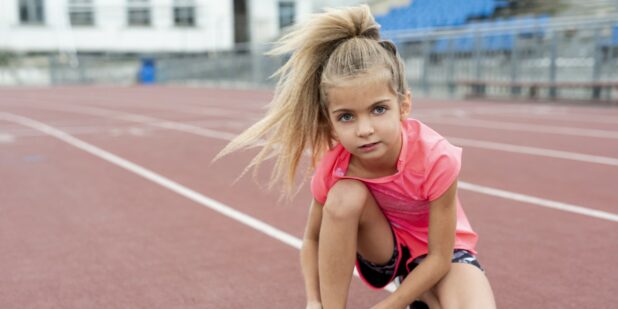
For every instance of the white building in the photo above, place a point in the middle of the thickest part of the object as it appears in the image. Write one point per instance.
(143, 26)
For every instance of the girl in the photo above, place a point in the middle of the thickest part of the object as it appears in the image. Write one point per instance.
(385, 187)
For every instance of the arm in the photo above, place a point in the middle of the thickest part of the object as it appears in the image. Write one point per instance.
(309, 255)
(442, 223)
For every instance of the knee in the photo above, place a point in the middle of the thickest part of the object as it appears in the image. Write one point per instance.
(346, 199)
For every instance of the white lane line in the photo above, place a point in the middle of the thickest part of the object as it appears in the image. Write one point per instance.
(146, 120)
(524, 127)
(544, 112)
(6, 138)
(167, 183)
(226, 136)
(568, 117)
(197, 130)
(539, 201)
(156, 178)
(535, 151)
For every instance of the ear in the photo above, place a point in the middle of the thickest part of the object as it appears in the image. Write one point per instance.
(405, 106)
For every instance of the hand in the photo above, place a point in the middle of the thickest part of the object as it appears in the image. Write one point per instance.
(314, 305)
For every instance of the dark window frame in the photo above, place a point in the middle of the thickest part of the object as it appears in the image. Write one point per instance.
(81, 13)
(286, 20)
(31, 12)
(139, 14)
(189, 20)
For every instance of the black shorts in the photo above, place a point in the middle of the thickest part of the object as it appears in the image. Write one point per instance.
(378, 276)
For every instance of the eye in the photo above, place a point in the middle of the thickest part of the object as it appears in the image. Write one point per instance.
(345, 117)
(380, 110)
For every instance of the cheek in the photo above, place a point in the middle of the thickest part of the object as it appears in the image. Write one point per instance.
(337, 131)
(392, 129)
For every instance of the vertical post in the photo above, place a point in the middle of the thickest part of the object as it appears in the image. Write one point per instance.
(450, 69)
(479, 88)
(515, 90)
(52, 69)
(256, 66)
(553, 54)
(80, 65)
(596, 68)
(426, 46)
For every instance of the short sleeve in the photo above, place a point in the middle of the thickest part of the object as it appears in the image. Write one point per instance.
(322, 180)
(443, 164)
(318, 187)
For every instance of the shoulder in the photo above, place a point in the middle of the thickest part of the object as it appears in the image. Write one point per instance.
(323, 178)
(431, 157)
(425, 145)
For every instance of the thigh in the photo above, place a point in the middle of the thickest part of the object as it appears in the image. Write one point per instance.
(375, 237)
(465, 286)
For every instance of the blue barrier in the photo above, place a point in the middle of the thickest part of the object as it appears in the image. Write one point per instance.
(611, 41)
(148, 72)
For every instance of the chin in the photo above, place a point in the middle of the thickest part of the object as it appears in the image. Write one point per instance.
(379, 153)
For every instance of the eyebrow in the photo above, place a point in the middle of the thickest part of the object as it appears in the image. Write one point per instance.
(349, 110)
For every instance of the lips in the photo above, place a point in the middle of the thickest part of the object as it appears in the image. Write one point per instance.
(368, 147)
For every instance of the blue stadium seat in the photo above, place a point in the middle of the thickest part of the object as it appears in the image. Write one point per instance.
(428, 14)
(436, 13)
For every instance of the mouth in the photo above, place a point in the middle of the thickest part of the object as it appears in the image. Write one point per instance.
(368, 147)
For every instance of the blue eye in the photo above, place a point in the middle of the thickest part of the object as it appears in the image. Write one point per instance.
(345, 117)
(380, 110)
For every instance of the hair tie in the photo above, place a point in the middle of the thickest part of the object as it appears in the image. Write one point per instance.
(388, 45)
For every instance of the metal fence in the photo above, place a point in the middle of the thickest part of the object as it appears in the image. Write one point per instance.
(564, 59)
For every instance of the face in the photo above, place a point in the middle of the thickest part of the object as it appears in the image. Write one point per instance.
(366, 119)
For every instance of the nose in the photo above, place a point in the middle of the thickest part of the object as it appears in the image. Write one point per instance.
(364, 129)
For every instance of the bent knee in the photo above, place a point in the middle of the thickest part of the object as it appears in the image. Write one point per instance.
(465, 286)
(346, 199)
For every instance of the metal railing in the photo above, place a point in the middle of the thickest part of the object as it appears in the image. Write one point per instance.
(438, 62)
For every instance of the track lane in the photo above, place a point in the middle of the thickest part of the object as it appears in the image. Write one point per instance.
(549, 175)
(235, 270)
(484, 226)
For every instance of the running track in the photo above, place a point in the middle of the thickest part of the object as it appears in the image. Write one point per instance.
(108, 199)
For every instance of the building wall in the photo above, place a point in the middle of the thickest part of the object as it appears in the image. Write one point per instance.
(214, 28)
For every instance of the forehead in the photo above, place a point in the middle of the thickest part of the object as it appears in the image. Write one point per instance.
(359, 93)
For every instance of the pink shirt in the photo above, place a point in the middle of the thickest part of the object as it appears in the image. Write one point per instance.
(427, 166)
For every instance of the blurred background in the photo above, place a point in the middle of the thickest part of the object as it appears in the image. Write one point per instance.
(112, 110)
(531, 49)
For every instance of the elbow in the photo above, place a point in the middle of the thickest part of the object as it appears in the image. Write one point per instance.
(446, 267)
(309, 243)
(443, 266)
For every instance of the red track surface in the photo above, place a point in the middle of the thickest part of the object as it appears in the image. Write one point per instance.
(77, 231)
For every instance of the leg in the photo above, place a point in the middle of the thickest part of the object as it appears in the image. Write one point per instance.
(351, 221)
(465, 286)
(431, 300)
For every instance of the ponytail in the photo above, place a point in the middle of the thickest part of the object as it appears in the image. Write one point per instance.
(329, 46)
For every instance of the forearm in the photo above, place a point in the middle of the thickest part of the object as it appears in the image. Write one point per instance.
(420, 280)
(309, 265)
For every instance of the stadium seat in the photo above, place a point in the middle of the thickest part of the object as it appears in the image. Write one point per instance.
(428, 14)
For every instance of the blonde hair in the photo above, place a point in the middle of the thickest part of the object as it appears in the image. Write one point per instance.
(331, 47)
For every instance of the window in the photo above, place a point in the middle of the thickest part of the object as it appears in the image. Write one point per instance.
(184, 13)
(81, 13)
(31, 12)
(138, 13)
(286, 14)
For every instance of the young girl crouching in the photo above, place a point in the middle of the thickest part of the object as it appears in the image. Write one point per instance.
(384, 187)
